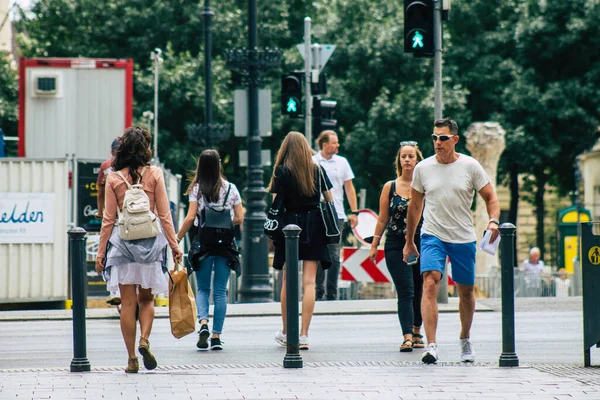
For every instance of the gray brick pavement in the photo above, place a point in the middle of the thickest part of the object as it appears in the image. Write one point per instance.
(391, 380)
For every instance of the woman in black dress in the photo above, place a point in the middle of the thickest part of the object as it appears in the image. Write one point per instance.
(393, 206)
(298, 179)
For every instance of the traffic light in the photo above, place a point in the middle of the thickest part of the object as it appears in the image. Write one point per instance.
(323, 115)
(291, 94)
(418, 27)
(321, 86)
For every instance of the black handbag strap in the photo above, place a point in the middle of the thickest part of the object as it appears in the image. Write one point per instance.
(392, 189)
(322, 178)
(280, 194)
(227, 195)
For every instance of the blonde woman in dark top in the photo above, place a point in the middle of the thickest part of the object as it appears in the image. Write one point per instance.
(393, 206)
(298, 179)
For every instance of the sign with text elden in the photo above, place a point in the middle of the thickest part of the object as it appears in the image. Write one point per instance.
(26, 217)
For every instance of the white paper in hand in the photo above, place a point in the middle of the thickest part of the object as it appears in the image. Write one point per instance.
(488, 247)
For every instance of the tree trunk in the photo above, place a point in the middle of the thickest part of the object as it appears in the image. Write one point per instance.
(540, 179)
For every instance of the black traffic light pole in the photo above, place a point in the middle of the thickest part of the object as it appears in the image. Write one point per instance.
(207, 13)
(255, 286)
(208, 133)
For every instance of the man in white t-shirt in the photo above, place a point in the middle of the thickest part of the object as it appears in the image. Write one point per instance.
(340, 174)
(446, 183)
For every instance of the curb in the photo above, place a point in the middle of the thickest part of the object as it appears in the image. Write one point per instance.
(272, 309)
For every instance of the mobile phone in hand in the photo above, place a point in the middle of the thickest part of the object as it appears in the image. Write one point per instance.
(412, 259)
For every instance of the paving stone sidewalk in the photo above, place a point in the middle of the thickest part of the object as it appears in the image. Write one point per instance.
(377, 380)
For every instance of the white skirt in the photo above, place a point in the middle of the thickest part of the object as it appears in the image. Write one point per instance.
(147, 276)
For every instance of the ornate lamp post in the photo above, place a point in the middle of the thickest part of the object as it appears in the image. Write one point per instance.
(207, 135)
(255, 286)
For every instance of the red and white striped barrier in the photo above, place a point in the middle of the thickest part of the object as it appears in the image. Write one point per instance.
(356, 266)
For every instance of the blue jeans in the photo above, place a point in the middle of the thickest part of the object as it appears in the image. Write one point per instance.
(221, 279)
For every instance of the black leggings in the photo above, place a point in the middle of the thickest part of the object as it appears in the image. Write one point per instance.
(408, 282)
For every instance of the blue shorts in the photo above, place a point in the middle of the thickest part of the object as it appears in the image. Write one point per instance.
(462, 257)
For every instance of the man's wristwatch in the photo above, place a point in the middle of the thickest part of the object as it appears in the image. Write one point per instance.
(354, 212)
(495, 220)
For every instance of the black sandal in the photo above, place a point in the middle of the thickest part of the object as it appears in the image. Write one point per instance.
(407, 346)
(418, 341)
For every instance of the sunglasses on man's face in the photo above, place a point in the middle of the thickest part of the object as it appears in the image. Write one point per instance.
(441, 138)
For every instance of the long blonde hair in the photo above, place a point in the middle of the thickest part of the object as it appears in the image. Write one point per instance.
(296, 156)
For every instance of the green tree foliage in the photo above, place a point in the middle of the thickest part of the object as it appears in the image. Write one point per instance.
(9, 100)
(112, 29)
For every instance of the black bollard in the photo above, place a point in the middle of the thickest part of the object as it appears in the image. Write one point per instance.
(77, 263)
(292, 358)
(508, 358)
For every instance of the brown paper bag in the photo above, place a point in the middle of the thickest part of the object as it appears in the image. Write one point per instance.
(182, 304)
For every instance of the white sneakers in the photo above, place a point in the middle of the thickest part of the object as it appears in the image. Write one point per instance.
(281, 338)
(467, 353)
(303, 344)
(430, 356)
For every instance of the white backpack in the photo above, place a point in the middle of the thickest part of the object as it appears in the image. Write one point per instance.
(136, 221)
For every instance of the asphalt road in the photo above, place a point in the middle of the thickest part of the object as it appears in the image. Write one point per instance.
(541, 337)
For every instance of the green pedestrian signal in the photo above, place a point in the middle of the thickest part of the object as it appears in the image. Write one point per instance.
(417, 40)
(291, 94)
(418, 27)
(292, 105)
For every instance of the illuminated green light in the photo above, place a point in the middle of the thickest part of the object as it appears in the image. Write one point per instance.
(292, 105)
(417, 40)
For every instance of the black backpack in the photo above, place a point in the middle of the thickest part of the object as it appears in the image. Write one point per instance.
(216, 226)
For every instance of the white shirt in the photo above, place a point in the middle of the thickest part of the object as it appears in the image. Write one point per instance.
(449, 191)
(532, 272)
(339, 171)
(233, 198)
(532, 269)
